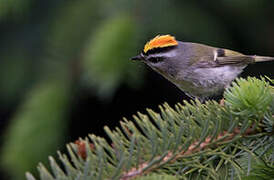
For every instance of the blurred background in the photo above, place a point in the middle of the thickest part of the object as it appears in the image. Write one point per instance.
(65, 69)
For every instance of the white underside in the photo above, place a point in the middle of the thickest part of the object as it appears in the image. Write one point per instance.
(206, 82)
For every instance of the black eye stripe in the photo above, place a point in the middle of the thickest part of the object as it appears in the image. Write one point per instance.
(156, 59)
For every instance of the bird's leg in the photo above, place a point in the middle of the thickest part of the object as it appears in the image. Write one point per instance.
(222, 102)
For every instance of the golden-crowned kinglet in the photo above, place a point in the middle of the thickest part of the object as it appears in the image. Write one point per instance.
(199, 70)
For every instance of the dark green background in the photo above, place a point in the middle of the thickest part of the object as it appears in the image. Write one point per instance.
(65, 69)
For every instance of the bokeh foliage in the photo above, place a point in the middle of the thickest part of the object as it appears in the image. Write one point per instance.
(38, 127)
(51, 50)
(106, 59)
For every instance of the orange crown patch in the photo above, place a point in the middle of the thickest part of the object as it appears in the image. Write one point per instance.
(160, 42)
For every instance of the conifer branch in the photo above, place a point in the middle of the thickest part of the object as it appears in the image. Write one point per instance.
(222, 138)
(193, 140)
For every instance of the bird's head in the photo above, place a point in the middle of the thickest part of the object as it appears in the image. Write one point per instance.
(160, 53)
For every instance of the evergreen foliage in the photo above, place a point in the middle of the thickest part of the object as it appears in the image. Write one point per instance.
(190, 141)
(92, 41)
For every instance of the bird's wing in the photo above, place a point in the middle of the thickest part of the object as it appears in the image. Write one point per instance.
(236, 60)
(220, 57)
(226, 57)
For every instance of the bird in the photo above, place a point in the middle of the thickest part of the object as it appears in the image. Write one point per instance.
(200, 71)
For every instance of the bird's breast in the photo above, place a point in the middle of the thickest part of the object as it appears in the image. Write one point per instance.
(206, 82)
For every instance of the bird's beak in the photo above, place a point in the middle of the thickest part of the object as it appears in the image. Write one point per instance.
(137, 58)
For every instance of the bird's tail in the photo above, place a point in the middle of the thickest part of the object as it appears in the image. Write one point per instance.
(263, 58)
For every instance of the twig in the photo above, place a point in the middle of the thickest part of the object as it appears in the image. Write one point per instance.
(193, 148)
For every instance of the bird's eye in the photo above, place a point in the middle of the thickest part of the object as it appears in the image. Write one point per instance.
(155, 59)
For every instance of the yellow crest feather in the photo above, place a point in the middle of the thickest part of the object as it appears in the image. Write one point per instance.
(160, 42)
